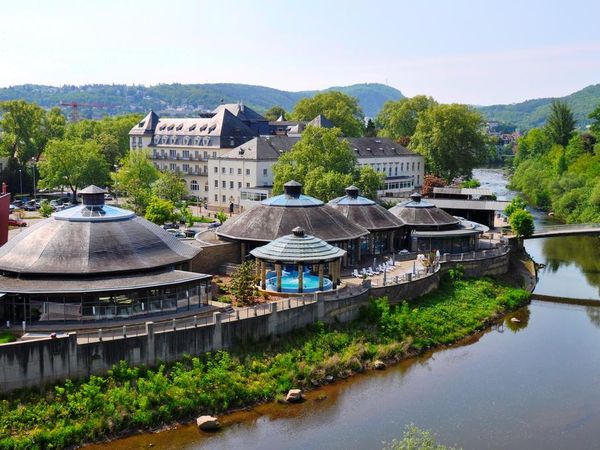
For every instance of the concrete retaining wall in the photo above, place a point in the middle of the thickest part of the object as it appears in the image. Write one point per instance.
(39, 362)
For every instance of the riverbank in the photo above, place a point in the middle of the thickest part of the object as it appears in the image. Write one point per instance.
(133, 399)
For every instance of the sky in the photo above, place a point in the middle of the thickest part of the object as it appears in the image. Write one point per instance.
(469, 51)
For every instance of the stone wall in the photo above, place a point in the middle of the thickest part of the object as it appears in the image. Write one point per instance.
(38, 362)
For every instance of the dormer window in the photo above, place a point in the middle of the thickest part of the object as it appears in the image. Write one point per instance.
(179, 127)
(141, 124)
(192, 128)
(170, 127)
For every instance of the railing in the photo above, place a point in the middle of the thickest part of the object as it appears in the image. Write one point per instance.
(568, 227)
(474, 255)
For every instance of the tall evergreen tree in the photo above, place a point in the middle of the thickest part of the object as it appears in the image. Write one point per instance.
(561, 123)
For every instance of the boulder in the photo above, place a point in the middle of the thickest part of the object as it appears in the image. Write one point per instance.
(208, 423)
(379, 365)
(294, 396)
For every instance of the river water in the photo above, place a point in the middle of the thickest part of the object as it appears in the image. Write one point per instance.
(535, 384)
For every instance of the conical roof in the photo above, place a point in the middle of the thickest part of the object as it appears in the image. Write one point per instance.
(276, 216)
(298, 247)
(419, 213)
(92, 238)
(364, 211)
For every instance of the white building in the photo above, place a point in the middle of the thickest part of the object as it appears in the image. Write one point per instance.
(226, 157)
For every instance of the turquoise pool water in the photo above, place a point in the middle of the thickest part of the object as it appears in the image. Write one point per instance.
(289, 283)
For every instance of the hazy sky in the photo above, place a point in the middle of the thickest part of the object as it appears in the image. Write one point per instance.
(478, 52)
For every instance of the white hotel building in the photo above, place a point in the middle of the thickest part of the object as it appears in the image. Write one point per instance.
(227, 157)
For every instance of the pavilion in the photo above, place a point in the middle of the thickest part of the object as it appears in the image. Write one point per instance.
(432, 228)
(301, 264)
(276, 216)
(96, 262)
(386, 231)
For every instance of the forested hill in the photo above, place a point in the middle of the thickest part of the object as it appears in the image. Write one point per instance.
(185, 99)
(533, 113)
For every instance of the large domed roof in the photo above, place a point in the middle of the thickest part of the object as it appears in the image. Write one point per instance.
(276, 216)
(419, 213)
(92, 238)
(364, 211)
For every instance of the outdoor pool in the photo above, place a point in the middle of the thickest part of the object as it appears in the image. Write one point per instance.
(289, 283)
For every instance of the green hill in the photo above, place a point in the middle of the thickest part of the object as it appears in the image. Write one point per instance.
(533, 113)
(185, 99)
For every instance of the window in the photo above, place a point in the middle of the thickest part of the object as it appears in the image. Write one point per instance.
(173, 167)
(133, 142)
(223, 170)
(186, 168)
(396, 170)
(239, 171)
(231, 185)
(418, 179)
(214, 155)
(390, 172)
(247, 171)
(247, 185)
(231, 171)
(194, 185)
(265, 172)
(402, 167)
(216, 198)
(239, 184)
(140, 141)
(224, 184)
(216, 183)
(413, 166)
(205, 154)
(173, 154)
(206, 187)
(419, 165)
(216, 169)
(224, 199)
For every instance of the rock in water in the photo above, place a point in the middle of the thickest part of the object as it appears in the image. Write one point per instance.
(208, 423)
(379, 365)
(294, 396)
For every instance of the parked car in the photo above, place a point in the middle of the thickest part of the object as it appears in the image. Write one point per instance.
(178, 234)
(171, 225)
(190, 232)
(17, 203)
(214, 225)
(16, 223)
(31, 205)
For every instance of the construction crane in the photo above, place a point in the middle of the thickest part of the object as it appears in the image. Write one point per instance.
(76, 105)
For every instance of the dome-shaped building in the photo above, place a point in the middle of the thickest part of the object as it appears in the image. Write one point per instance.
(385, 229)
(276, 216)
(94, 262)
(432, 228)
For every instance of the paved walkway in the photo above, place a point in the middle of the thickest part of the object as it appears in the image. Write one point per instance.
(399, 268)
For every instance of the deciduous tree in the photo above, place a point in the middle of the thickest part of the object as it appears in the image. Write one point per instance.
(274, 112)
(398, 119)
(452, 139)
(135, 178)
(341, 109)
(521, 223)
(73, 163)
(160, 211)
(561, 123)
(170, 186)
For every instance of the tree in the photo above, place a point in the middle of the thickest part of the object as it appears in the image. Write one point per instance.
(159, 210)
(135, 177)
(516, 204)
(73, 163)
(536, 142)
(341, 109)
(221, 216)
(27, 128)
(398, 119)
(452, 139)
(243, 283)
(170, 186)
(470, 183)
(370, 129)
(595, 125)
(430, 181)
(560, 124)
(521, 223)
(45, 208)
(369, 181)
(321, 161)
(274, 112)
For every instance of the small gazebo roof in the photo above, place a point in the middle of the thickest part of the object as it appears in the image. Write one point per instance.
(421, 213)
(298, 247)
(365, 212)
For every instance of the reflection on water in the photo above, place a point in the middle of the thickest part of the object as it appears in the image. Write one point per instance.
(518, 320)
(572, 266)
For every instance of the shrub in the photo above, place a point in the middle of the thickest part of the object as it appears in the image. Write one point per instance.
(45, 208)
(521, 223)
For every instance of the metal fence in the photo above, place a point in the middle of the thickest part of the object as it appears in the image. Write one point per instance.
(475, 255)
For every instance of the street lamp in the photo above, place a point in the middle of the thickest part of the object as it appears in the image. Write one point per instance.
(33, 165)
(21, 181)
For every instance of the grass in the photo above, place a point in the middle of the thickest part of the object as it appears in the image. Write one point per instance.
(130, 398)
(6, 337)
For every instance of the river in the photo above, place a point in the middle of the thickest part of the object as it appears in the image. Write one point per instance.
(535, 384)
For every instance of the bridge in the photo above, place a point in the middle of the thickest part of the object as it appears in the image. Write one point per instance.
(566, 230)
